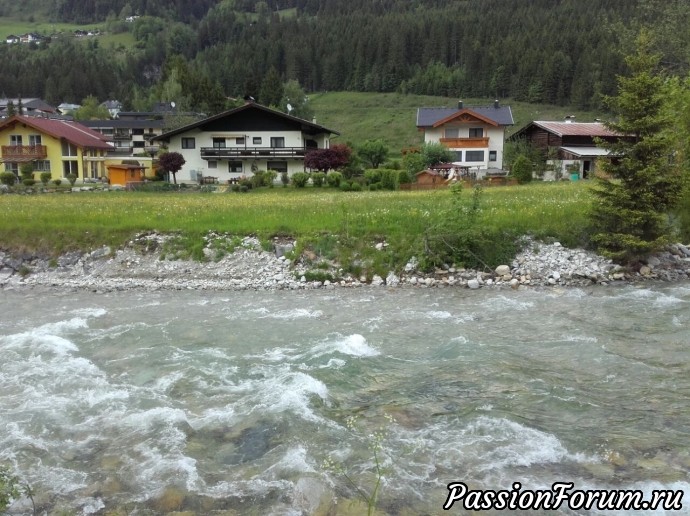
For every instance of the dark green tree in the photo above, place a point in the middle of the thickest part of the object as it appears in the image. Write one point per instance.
(643, 182)
(271, 91)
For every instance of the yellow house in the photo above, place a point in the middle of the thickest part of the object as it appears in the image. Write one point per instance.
(60, 147)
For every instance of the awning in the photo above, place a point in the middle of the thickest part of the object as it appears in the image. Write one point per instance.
(586, 152)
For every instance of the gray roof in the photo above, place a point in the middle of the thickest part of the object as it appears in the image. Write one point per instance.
(427, 117)
(122, 124)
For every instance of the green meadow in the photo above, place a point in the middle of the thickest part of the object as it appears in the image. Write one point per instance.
(329, 221)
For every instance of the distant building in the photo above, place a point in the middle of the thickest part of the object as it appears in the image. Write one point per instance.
(11, 39)
(113, 106)
(30, 107)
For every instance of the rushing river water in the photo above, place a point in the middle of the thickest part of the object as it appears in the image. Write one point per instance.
(147, 403)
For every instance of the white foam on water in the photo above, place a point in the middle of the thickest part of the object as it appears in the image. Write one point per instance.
(293, 314)
(280, 390)
(507, 303)
(294, 460)
(156, 468)
(91, 505)
(218, 415)
(578, 338)
(276, 355)
(460, 339)
(248, 488)
(485, 445)
(438, 315)
(146, 420)
(354, 345)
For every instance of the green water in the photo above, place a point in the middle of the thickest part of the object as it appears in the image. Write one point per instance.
(231, 402)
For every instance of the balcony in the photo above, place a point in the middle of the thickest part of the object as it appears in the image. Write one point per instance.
(465, 143)
(24, 152)
(240, 153)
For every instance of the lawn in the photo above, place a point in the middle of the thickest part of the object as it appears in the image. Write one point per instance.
(348, 222)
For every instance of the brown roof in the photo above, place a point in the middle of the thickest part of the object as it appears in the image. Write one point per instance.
(74, 132)
(576, 128)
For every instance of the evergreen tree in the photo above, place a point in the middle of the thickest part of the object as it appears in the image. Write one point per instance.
(271, 89)
(642, 183)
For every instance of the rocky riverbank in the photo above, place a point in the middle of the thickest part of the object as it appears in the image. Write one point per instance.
(144, 264)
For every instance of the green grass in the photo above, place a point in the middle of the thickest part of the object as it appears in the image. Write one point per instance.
(392, 116)
(56, 223)
(18, 27)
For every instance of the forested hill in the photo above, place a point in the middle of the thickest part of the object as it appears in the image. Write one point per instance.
(550, 51)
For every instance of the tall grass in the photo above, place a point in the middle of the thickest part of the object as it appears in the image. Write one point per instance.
(52, 224)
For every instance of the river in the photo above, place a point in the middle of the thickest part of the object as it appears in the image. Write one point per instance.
(233, 402)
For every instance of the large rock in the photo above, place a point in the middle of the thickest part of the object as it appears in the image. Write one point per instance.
(473, 284)
(502, 270)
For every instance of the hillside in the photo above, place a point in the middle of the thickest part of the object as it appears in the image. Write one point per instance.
(391, 116)
(557, 52)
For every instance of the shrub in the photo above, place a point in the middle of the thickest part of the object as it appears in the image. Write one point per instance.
(28, 181)
(522, 169)
(257, 179)
(246, 182)
(57, 182)
(45, 178)
(27, 171)
(372, 175)
(404, 177)
(270, 178)
(389, 179)
(345, 186)
(334, 179)
(8, 178)
(318, 178)
(72, 178)
(299, 179)
(235, 188)
(355, 186)
(285, 179)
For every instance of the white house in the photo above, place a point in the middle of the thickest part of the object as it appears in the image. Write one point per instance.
(475, 134)
(243, 140)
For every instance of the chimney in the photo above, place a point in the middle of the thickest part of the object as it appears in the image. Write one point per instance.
(459, 104)
(569, 119)
(496, 103)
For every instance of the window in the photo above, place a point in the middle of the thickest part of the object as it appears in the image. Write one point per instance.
(34, 139)
(12, 167)
(492, 155)
(219, 143)
(239, 141)
(94, 169)
(139, 145)
(138, 131)
(234, 166)
(212, 164)
(474, 155)
(452, 132)
(15, 139)
(278, 166)
(188, 143)
(476, 132)
(68, 149)
(70, 167)
(458, 155)
(256, 140)
(42, 166)
(277, 142)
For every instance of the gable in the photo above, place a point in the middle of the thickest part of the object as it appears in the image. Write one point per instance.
(465, 116)
(252, 120)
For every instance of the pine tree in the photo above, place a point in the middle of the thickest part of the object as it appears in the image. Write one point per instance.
(642, 183)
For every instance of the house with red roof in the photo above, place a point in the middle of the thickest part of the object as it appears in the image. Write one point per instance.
(571, 147)
(61, 147)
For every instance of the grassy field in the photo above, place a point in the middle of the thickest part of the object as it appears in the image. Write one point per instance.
(392, 116)
(341, 224)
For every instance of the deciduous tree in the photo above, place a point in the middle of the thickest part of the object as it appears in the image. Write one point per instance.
(171, 162)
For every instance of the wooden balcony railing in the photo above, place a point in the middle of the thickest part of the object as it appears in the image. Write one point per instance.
(24, 152)
(465, 143)
(252, 152)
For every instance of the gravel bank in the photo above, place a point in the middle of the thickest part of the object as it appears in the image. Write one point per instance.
(247, 267)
